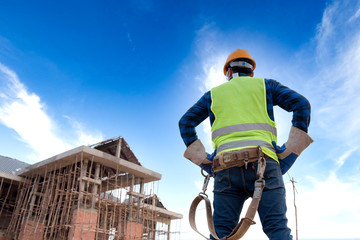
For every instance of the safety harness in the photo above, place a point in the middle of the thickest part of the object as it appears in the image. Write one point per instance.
(221, 162)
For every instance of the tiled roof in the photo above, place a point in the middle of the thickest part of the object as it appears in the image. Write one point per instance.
(10, 165)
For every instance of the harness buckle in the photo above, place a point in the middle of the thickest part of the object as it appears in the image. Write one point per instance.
(261, 164)
(205, 185)
(246, 159)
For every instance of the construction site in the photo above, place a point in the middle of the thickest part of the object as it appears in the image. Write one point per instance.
(90, 192)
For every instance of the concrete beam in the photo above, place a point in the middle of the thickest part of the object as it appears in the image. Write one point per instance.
(8, 177)
(70, 157)
(162, 211)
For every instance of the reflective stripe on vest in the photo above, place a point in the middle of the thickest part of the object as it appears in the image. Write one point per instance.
(245, 144)
(243, 127)
(241, 118)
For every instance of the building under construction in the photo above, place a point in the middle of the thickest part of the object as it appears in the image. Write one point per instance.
(89, 192)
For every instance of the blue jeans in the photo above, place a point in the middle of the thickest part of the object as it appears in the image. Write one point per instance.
(234, 185)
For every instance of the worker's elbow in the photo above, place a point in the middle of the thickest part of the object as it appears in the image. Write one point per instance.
(182, 122)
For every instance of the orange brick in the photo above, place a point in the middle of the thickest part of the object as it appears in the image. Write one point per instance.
(83, 224)
(31, 230)
(134, 231)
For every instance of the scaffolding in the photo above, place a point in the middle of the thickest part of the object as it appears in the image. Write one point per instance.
(97, 192)
(9, 185)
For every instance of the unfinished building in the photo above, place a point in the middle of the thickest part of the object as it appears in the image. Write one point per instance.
(90, 192)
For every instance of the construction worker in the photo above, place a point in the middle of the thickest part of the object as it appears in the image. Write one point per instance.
(242, 121)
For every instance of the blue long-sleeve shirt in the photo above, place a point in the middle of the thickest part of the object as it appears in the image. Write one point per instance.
(276, 95)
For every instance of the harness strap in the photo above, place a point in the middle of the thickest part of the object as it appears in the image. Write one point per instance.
(242, 227)
(245, 223)
(209, 218)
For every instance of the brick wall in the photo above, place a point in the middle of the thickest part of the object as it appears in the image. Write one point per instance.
(31, 230)
(133, 231)
(2, 235)
(83, 224)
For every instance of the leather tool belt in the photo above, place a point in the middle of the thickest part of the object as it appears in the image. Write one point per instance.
(237, 158)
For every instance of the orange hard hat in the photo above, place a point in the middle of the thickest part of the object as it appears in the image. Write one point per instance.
(239, 53)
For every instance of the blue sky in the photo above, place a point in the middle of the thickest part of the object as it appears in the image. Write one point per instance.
(77, 72)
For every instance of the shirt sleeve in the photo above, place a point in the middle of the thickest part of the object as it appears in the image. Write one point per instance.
(193, 117)
(291, 101)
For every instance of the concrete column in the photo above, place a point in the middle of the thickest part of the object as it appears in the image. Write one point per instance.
(140, 199)
(131, 199)
(118, 148)
(82, 183)
(95, 186)
(168, 233)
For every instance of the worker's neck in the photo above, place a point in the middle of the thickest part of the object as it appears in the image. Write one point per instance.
(234, 75)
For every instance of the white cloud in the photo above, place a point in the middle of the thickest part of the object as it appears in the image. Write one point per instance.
(211, 57)
(341, 160)
(83, 136)
(133, 46)
(337, 113)
(325, 29)
(355, 16)
(26, 115)
(212, 74)
(328, 209)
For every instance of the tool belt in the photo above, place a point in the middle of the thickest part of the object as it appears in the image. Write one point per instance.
(237, 158)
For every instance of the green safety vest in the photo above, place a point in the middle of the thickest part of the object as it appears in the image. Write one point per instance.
(241, 118)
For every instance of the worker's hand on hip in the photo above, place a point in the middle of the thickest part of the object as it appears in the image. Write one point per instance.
(285, 156)
(196, 153)
(289, 152)
(208, 166)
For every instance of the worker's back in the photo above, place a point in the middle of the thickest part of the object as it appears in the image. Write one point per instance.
(241, 118)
